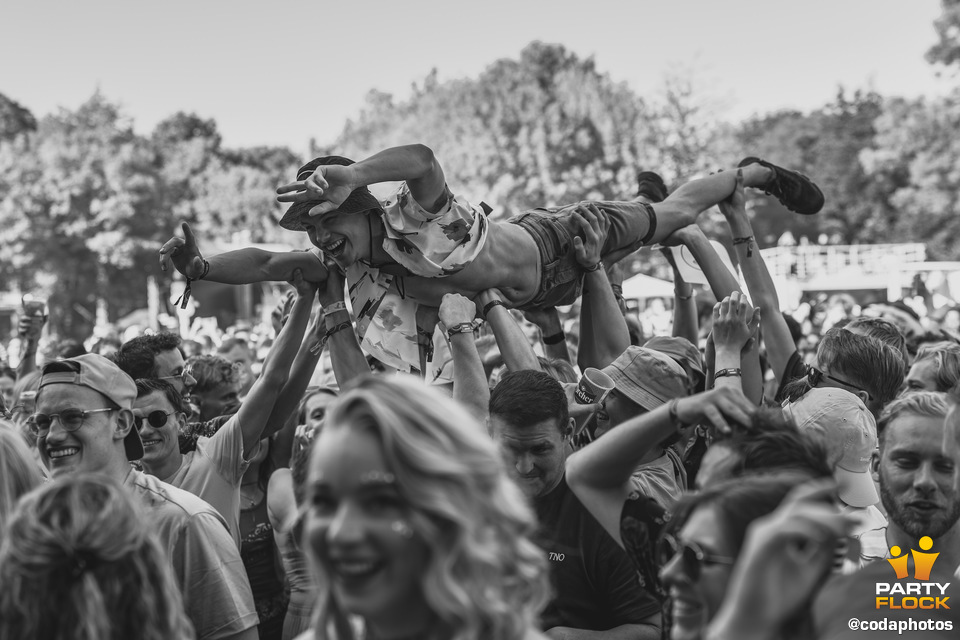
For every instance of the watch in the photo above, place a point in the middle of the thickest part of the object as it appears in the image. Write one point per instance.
(463, 327)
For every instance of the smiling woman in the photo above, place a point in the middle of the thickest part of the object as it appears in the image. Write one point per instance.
(412, 524)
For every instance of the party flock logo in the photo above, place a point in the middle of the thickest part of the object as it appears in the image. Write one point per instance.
(919, 593)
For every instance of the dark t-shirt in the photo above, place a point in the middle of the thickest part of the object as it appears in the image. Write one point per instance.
(594, 584)
(642, 521)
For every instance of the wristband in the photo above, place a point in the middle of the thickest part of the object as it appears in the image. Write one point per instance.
(463, 327)
(599, 265)
(336, 307)
(724, 373)
(686, 297)
(334, 329)
(747, 240)
(185, 296)
(490, 305)
(556, 338)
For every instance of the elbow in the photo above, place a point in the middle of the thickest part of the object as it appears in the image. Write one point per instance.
(424, 158)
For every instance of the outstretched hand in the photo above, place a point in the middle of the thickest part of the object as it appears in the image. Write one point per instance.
(329, 185)
(456, 309)
(595, 225)
(183, 253)
(735, 322)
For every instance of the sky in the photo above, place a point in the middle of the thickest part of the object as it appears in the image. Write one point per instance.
(281, 72)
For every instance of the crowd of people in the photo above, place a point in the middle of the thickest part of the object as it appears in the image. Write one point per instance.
(457, 476)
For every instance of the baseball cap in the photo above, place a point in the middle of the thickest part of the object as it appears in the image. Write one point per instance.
(647, 377)
(850, 434)
(104, 377)
(360, 199)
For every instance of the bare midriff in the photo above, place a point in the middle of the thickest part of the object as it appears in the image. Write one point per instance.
(509, 262)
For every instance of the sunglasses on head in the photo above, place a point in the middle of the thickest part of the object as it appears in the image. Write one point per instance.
(816, 376)
(693, 557)
(155, 419)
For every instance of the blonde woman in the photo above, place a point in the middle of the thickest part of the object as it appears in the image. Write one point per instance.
(413, 526)
(19, 473)
(78, 562)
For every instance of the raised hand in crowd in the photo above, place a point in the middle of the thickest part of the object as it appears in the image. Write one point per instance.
(686, 323)
(547, 319)
(458, 316)
(735, 324)
(516, 350)
(29, 329)
(786, 557)
(603, 329)
(329, 185)
(184, 254)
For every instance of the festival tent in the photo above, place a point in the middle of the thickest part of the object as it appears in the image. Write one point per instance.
(641, 286)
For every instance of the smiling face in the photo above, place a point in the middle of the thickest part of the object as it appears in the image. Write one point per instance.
(918, 476)
(535, 455)
(696, 601)
(94, 447)
(159, 443)
(617, 409)
(358, 529)
(344, 237)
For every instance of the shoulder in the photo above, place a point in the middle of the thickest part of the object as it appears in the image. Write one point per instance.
(166, 500)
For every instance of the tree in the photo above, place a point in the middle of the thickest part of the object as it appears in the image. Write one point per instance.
(946, 51)
(14, 119)
(77, 205)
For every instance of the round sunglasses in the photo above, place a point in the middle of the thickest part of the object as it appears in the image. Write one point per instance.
(71, 420)
(155, 419)
(694, 558)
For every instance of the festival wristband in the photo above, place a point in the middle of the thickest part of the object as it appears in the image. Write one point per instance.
(336, 307)
(725, 373)
(595, 267)
(490, 305)
(556, 338)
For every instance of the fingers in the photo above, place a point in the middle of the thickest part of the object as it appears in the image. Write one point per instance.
(290, 187)
(189, 239)
(322, 208)
(578, 410)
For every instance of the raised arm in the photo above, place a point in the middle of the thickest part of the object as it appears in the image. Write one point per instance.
(242, 266)
(685, 319)
(735, 324)
(776, 333)
(255, 411)
(516, 350)
(330, 185)
(470, 386)
(599, 474)
(603, 329)
(551, 332)
(345, 354)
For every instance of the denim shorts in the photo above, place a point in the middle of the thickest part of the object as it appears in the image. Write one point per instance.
(632, 224)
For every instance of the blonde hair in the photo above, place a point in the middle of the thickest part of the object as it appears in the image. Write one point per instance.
(79, 562)
(19, 473)
(485, 578)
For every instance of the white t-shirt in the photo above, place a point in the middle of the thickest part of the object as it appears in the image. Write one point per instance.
(214, 472)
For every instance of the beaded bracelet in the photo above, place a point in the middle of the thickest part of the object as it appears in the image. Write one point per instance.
(724, 373)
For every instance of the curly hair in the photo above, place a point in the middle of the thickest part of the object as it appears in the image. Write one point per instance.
(79, 562)
(485, 578)
(211, 372)
(137, 357)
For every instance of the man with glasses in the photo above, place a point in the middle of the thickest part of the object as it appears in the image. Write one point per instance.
(155, 356)
(85, 424)
(214, 469)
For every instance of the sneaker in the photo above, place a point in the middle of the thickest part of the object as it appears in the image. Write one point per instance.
(651, 186)
(794, 190)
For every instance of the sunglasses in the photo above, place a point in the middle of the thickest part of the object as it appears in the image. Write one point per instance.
(155, 419)
(693, 557)
(71, 420)
(816, 376)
